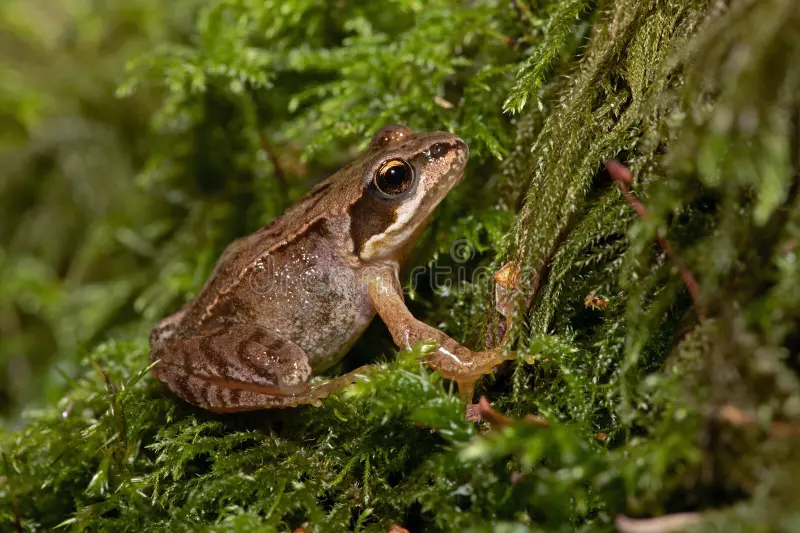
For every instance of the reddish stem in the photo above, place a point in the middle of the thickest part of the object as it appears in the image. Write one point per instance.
(777, 428)
(623, 178)
(266, 147)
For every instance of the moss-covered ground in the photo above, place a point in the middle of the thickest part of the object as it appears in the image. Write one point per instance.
(658, 349)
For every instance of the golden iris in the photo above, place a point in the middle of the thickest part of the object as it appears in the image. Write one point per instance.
(394, 177)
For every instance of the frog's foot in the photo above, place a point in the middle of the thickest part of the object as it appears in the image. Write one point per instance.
(452, 359)
(466, 367)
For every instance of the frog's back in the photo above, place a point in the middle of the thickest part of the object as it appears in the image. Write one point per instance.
(291, 276)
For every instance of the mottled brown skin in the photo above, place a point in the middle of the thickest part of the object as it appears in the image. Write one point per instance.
(289, 300)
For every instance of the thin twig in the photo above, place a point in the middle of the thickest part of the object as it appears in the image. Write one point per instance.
(498, 419)
(483, 411)
(505, 39)
(517, 8)
(495, 418)
(623, 178)
(736, 417)
(661, 524)
(14, 506)
(522, 11)
(113, 403)
(268, 149)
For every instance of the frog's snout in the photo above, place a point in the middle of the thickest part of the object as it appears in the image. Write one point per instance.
(461, 146)
(440, 149)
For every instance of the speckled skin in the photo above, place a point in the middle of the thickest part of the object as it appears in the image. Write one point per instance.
(289, 300)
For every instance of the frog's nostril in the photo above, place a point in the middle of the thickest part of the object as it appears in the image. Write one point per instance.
(438, 150)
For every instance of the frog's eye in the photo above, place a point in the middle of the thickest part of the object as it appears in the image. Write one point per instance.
(393, 177)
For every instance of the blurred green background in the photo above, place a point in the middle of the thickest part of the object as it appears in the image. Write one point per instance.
(138, 139)
(73, 230)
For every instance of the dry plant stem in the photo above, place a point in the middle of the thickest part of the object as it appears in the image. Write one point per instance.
(623, 178)
(661, 524)
(497, 419)
(483, 411)
(268, 149)
(736, 417)
(17, 518)
(535, 420)
(522, 10)
(6, 480)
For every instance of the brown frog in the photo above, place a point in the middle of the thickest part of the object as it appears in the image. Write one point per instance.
(288, 301)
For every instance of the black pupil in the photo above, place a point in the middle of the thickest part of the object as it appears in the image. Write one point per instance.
(393, 177)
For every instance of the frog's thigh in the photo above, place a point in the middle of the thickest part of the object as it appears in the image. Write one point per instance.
(236, 368)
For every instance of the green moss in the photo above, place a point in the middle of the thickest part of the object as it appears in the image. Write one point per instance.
(230, 110)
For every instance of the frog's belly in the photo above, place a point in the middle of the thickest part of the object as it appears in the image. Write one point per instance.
(324, 314)
(313, 301)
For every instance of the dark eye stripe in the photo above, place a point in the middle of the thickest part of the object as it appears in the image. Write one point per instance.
(369, 216)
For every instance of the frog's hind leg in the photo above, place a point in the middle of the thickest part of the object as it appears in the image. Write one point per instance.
(312, 396)
(241, 368)
(235, 368)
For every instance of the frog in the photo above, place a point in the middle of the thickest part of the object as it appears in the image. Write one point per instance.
(287, 302)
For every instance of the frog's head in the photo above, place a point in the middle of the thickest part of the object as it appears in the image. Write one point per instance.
(405, 176)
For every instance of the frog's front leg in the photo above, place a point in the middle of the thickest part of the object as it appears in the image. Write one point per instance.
(238, 367)
(453, 360)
